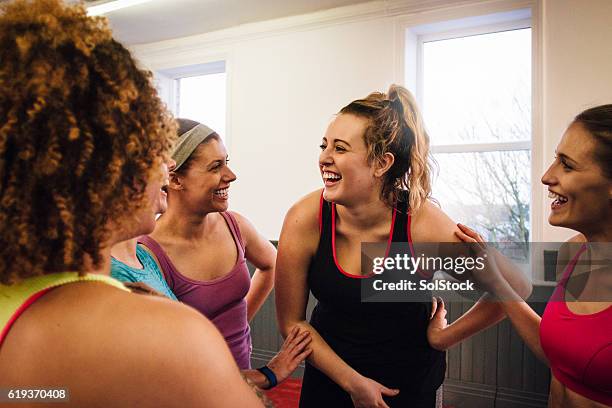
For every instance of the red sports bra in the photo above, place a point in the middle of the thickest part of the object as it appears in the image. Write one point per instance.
(578, 347)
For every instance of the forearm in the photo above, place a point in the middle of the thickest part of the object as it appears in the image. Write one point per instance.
(515, 277)
(485, 313)
(524, 319)
(325, 359)
(262, 283)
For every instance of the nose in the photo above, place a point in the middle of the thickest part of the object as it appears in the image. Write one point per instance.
(325, 157)
(548, 178)
(229, 175)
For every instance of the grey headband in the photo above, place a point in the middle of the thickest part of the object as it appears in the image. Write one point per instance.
(189, 142)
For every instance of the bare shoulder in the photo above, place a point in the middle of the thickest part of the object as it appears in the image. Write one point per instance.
(175, 352)
(305, 212)
(431, 224)
(300, 234)
(138, 350)
(578, 238)
(567, 251)
(247, 229)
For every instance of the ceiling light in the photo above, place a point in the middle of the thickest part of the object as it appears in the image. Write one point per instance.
(107, 7)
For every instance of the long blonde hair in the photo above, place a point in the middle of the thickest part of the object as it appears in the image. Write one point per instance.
(396, 127)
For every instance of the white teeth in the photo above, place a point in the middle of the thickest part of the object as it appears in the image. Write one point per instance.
(221, 192)
(331, 176)
(558, 198)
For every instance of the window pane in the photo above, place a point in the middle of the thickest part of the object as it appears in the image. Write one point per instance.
(478, 88)
(202, 98)
(487, 191)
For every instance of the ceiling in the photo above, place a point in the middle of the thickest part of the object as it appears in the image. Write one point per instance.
(158, 20)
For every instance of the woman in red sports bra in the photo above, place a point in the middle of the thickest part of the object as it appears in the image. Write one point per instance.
(574, 336)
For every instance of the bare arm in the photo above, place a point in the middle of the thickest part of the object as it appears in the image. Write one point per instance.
(297, 245)
(485, 313)
(167, 354)
(524, 319)
(262, 254)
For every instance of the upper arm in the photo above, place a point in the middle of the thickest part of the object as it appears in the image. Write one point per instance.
(431, 224)
(297, 245)
(181, 360)
(258, 250)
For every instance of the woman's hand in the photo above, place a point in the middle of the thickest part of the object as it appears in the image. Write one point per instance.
(489, 277)
(293, 351)
(437, 324)
(367, 393)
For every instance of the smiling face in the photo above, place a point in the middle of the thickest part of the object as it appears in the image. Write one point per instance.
(205, 184)
(581, 193)
(343, 163)
(161, 204)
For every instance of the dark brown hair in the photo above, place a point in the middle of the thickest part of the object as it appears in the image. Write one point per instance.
(185, 125)
(395, 126)
(81, 130)
(598, 122)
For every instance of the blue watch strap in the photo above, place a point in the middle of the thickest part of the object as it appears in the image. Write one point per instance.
(270, 376)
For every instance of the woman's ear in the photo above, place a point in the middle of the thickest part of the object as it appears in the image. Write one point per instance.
(175, 181)
(383, 164)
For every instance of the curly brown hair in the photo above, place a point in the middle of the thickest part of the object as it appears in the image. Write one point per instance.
(396, 126)
(81, 130)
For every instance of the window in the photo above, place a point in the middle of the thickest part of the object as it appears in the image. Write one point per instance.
(198, 92)
(474, 88)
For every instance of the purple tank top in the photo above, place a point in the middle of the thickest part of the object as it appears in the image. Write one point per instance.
(222, 300)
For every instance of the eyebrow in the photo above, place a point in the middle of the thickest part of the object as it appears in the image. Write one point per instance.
(566, 157)
(338, 140)
(219, 161)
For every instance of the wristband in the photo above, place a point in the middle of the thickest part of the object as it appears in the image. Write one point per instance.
(270, 376)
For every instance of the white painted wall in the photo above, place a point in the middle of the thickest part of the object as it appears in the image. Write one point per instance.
(577, 70)
(287, 77)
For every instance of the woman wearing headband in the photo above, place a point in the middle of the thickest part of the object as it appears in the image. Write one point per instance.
(375, 169)
(203, 248)
(83, 141)
(574, 336)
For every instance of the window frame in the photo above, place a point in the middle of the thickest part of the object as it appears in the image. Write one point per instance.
(479, 147)
(407, 27)
(169, 80)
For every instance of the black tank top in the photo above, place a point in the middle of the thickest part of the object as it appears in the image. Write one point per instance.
(383, 341)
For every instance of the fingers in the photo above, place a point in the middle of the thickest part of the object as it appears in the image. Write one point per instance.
(389, 392)
(303, 355)
(469, 235)
(434, 307)
(470, 232)
(290, 337)
(464, 237)
(295, 343)
(440, 310)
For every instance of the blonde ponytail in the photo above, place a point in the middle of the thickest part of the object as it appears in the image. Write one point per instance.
(419, 176)
(396, 127)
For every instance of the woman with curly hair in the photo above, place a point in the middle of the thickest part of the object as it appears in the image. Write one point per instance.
(374, 164)
(83, 141)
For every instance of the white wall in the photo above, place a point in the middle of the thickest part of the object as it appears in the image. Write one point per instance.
(287, 77)
(577, 70)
